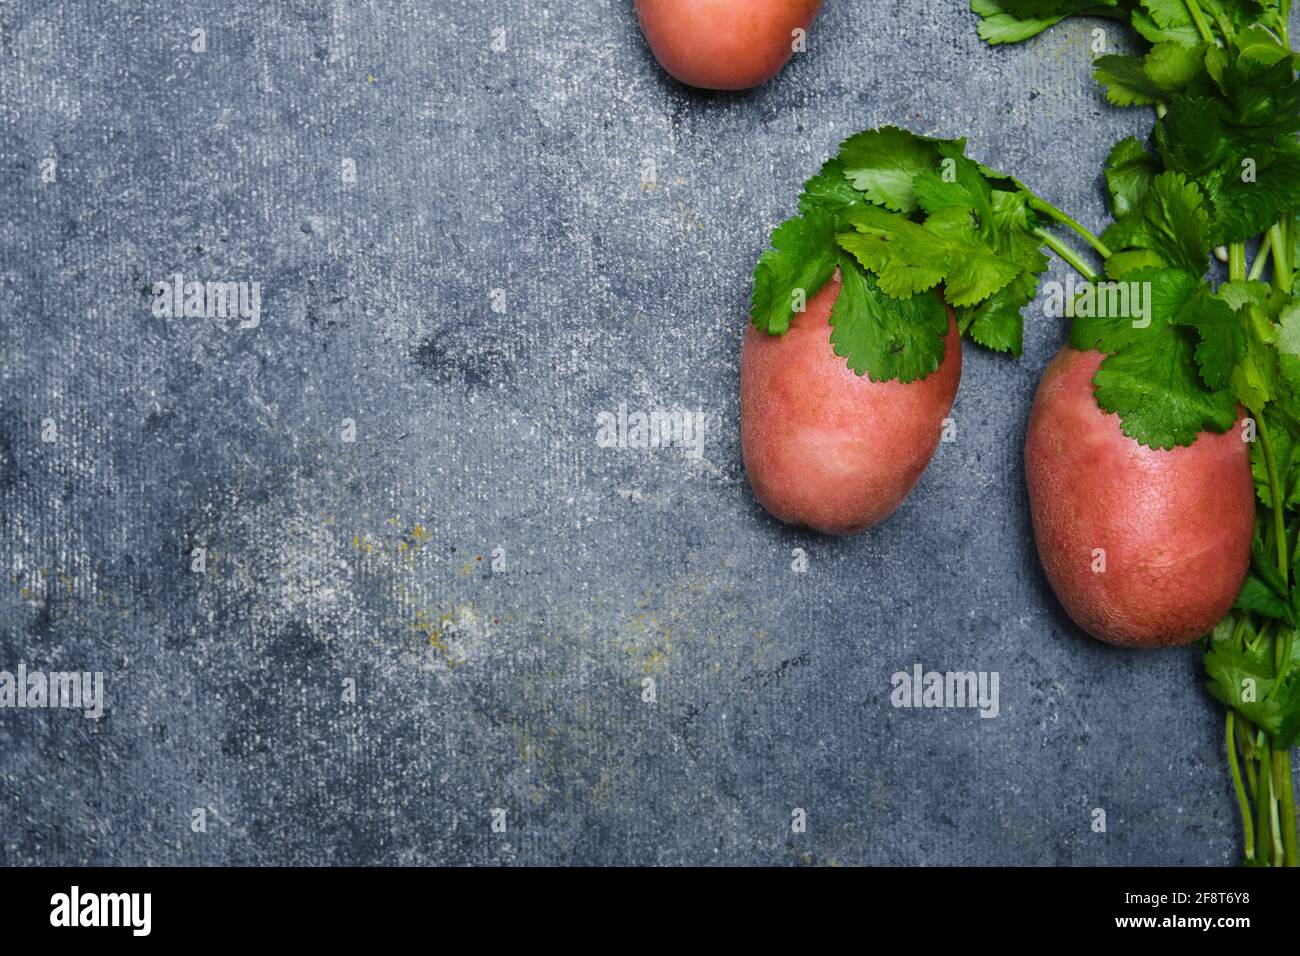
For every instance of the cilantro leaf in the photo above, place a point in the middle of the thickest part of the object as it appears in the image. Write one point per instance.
(1222, 340)
(1256, 42)
(1171, 220)
(902, 253)
(1158, 20)
(1264, 97)
(882, 337)
(1257, 596)
(829, 189)
(997, 323)
(1166, 373)
(975, 270)
(1243, 678)
(1257, 186)
(999, 26)
(1129, 171)
(1285, 453)
(1256, 379)
(1288, 343)
(1154, 388)
(910, 257)
(958, 183)
(883, 162)
(1165, 70)
(1190, 136)
(802, 259)
(1011, 21)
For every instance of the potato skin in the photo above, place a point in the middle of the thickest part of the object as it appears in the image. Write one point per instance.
(1175, 525)
(724, 44)
(823, 446)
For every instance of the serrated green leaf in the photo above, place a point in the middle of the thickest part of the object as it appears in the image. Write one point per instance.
(1171, 220)
(1167, 20)
(998, 323)
(802, 259)
(1258, 597)
(829, 189)
(1126, 80)
(998, 26)
(1152, 376)
(1258, 185)
(1190, 137)
(883, 162)
(1129, 172)
(1154, 388)
(1122, 263)
(903, 255)
(882, 337)
(1243, 678)
(1222, 340)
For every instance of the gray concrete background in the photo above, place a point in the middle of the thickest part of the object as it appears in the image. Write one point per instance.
(476, 430)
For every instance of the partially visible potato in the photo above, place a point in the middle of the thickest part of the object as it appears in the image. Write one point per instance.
(1173, 528)
(724, 44)
(825, 447)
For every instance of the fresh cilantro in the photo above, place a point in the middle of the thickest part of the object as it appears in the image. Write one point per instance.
(997, 323)
(802, 259)
(829, 189)
(1010, 21)
(883, 162)
(885, 338)
(1167, 373)
(1170, 221)
(1129, 171)
(911, 258)
(1167, 69)
(1244, 678)
(1221, 175)
(1246, 205)
(901, 215)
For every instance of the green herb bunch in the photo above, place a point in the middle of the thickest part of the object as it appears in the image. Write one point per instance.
(1218, 175)
(903, 217)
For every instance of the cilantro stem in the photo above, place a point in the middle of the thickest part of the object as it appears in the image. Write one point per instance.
(1242, 803)
(1066, 253)
(1278, 853)
(1043, 206)
(1275, 493)
(1224, 26)
(1283, 783)
(1263, 803)
(1237, 261)
(1259, 637)
(1246, 736)
(1199, 19)
(1261, 257)
(1281, 263)
(1286, 797)
(1274, 799)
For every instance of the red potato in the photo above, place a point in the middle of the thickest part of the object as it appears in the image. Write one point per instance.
(825, 447)
(724, 44)
(1175, 526)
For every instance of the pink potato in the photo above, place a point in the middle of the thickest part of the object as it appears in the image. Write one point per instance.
(1173, 527)
(724, 44)
(825, 447)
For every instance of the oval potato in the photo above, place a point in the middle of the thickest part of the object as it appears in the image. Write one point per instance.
(1172, 527)
(823, 446)
(724, 44)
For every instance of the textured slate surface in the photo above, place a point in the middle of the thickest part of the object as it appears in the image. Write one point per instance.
(517, 170)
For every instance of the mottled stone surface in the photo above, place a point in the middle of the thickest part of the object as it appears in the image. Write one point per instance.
(371, 561)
